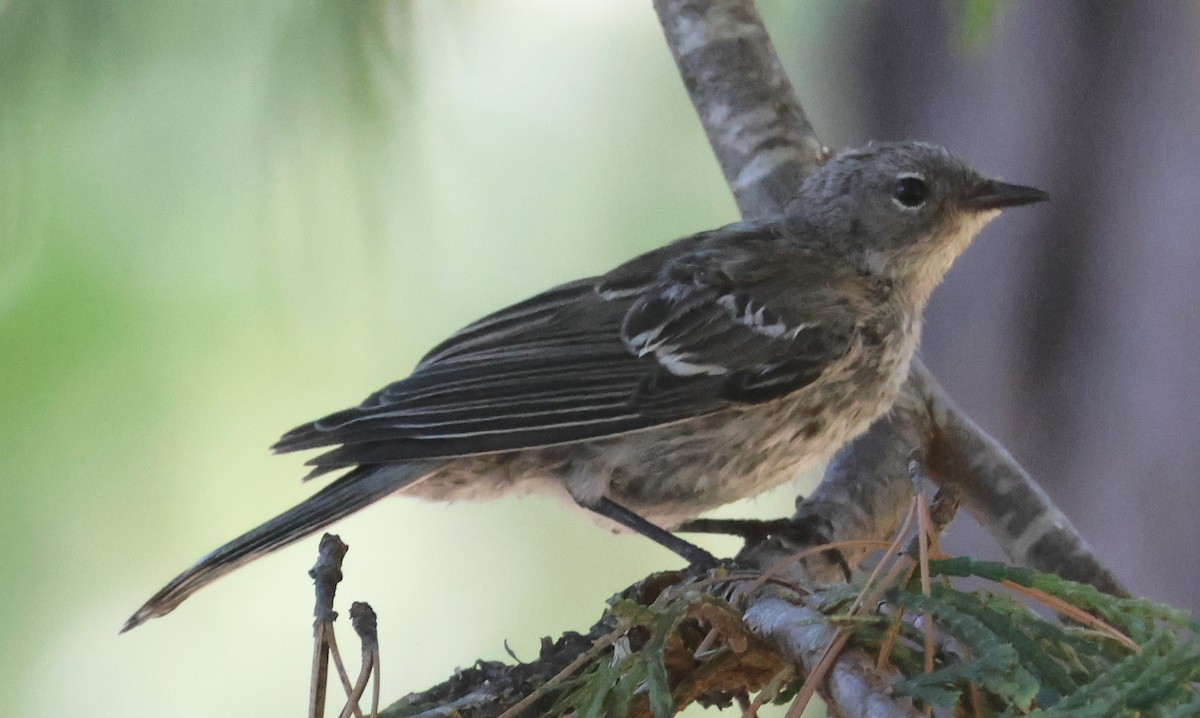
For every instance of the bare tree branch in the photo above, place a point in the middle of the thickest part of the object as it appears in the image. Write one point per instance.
(755, 124)
(1001, 495)
(326, 575)
(854, 686)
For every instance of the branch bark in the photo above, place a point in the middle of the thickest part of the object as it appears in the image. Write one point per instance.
(1000, 494)
(854, 687)
(754, 121)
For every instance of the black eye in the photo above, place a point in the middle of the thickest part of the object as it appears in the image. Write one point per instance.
(910, 192)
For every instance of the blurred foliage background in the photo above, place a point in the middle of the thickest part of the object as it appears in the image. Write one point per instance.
(220, 219)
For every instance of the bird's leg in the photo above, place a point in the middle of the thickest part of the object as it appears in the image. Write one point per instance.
(807, 530)
(692, 553)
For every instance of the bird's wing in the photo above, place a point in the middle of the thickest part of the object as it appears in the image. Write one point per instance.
(640, 347)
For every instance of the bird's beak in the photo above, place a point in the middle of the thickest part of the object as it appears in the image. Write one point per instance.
(993, 194)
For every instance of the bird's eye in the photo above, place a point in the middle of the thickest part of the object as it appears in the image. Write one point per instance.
(910, 192)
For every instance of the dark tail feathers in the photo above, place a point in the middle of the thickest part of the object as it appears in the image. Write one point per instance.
(348, 494)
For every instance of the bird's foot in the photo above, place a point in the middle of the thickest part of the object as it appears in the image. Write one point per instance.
(698, 558)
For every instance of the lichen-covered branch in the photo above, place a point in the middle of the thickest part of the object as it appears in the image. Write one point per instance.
(853, 685)
(1000, 494)
(754, 121)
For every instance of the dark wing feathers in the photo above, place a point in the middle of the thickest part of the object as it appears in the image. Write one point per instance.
(517, 319)
(699, 328)
(655, 341)
(466, 396)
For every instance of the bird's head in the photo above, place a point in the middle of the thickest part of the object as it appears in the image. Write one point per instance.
(903, 210)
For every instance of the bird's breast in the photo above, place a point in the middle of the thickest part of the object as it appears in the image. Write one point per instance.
(673, 473)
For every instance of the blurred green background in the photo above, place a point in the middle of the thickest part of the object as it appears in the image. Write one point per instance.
(221, 219)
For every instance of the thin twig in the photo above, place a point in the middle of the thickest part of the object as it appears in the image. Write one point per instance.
(817, 675)
(976, 697)
(768, 693)
(375, 683)
(1074, 613)
(924, 533)
(326, 573)
(868, 595)
(889, 639)
(320, 668)
(365, 623)
(340, 665)
(893, 550)
(602, 644)
(360, 686)
(706, 645)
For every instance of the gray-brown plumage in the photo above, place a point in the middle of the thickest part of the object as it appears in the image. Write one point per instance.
(699, 373)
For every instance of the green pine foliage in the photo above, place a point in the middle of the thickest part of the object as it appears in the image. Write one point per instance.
(1026, 664)
(610, 686)
(996, 652)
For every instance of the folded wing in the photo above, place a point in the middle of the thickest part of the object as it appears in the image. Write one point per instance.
(587, 360)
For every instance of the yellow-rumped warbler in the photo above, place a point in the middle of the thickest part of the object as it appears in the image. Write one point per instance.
(699, 373)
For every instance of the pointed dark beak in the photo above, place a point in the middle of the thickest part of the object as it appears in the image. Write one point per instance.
(992, 194)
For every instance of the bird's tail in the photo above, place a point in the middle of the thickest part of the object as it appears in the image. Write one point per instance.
(343, 497)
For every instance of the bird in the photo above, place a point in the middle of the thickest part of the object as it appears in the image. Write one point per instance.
(707, 370)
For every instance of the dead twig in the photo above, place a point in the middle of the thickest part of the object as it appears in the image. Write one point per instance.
(326, 573)
(601, 645)
(365, 623)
